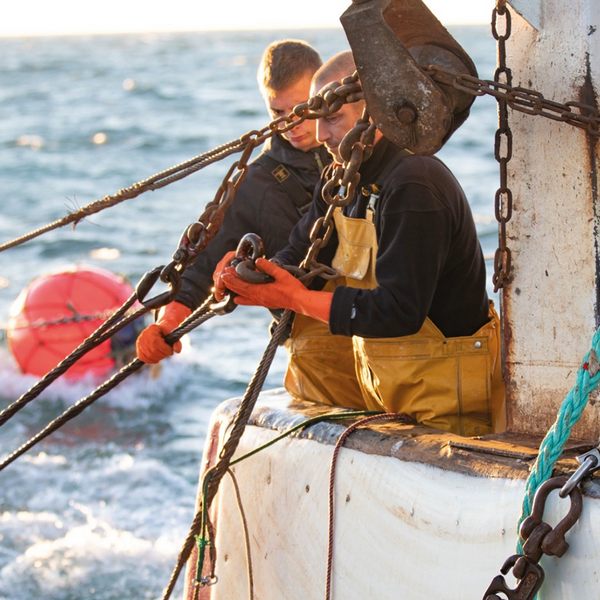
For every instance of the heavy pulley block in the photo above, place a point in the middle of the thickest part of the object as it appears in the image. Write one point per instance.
(392, 42)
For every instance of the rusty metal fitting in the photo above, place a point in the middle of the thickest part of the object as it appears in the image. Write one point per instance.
(409, 39)
(406, 114)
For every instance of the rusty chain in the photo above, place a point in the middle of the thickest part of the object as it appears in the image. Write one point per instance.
(329, 100)
(357, 142)
(522, 99)
(503, 200)
(196, 237)
(505, 95)
(356, 146)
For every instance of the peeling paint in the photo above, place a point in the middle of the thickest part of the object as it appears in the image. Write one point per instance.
(587, 95)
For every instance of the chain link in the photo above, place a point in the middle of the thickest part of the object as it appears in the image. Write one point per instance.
(199, 234)
(340, 187)
(315, 107)
(503, 201)
(528, 101)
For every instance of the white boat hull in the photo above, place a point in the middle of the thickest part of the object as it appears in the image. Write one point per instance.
(413, 519)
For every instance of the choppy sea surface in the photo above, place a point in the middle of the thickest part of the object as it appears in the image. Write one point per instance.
(100, 509)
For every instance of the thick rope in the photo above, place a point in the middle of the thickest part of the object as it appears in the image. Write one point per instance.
(555, 440)
(155, 182)
(216, 473)
(74, 410)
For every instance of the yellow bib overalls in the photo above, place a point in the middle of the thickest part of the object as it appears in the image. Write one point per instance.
(453, 384)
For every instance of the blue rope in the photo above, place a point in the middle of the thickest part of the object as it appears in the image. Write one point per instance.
(553, 444)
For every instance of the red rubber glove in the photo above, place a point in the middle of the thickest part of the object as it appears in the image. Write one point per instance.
(285, 292)
(219, 288)
(150, 345)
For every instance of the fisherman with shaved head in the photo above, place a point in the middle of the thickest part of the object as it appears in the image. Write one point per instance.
(408, 326)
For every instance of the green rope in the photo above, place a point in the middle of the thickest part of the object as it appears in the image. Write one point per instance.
(555, 440)
(202, 541)
(308, 423)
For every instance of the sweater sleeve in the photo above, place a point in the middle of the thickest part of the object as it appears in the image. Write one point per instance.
(299, 242)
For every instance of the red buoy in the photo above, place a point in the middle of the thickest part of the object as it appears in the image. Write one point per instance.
(56, 312)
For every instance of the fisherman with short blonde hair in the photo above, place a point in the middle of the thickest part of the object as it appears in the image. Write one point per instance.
(276, 191)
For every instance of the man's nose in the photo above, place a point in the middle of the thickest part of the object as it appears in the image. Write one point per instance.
(322, 132)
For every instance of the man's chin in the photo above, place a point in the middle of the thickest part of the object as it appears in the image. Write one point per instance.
(304, 143)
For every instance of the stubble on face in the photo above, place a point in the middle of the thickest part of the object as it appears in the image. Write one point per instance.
(332, 129)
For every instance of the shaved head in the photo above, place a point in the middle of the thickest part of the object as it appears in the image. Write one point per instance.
(332, 128)
(335, 69)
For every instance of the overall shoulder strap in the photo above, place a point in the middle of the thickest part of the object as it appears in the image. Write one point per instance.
(287, 181)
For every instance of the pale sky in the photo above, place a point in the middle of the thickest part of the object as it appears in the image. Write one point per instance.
(50, 17)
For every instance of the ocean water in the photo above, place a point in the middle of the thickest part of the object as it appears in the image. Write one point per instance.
(100, 509)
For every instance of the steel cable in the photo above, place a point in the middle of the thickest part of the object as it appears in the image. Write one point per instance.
(155, 182)
(103, 333)
(215, 474)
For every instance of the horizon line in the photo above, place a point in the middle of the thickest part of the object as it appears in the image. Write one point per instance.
(11, 35)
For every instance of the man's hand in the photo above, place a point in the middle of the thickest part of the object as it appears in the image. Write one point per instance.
(277, 294)
(219, 289)
(150, 345)
(285, 292)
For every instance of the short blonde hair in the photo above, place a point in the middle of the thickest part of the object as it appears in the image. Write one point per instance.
(284, 62)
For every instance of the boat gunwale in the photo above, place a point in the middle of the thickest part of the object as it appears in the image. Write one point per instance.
(508, 455)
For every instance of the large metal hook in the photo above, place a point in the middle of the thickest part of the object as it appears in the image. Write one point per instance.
(407, 106)
(249, 249)
(552, 542)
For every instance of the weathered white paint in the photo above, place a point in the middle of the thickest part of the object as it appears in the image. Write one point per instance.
(530, 10)
(402, 529)
(550, 306)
